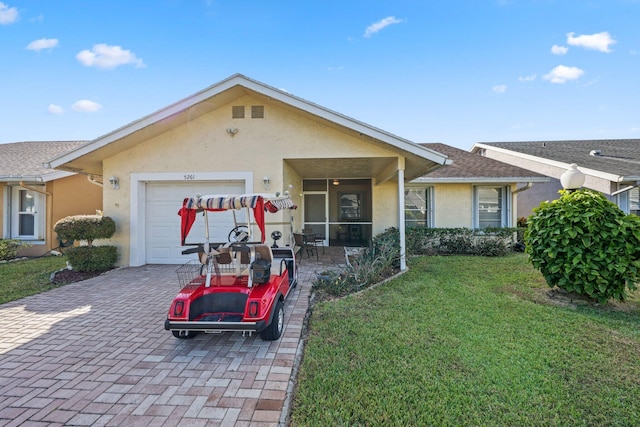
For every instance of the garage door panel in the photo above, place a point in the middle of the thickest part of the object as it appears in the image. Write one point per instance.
(162, 222)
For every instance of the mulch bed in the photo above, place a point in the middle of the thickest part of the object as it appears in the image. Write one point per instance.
(70, 276)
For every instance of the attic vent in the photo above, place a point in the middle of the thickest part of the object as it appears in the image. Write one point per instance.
(237, 112)
(257, 111)
(595, 153)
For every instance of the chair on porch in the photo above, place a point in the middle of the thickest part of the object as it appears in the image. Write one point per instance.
(314, 237)
(306, 245)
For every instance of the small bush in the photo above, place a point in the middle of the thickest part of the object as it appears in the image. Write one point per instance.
(491, 247)
(85, 227)
(89, 228)
(9, 248)
(374, 264)
(92, 258)
(584, 243)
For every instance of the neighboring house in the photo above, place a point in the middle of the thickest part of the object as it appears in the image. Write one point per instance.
(34, 197)
(472, 192)
(611, 166)
(242, 136)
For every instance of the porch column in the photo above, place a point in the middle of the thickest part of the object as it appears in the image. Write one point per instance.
(403, 245)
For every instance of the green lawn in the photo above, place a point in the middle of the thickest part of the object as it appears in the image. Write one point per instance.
(469, 341)
(28, 277)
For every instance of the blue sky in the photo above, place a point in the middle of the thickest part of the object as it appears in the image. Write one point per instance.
(455, 71)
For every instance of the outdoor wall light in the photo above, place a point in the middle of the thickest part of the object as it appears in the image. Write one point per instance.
(336, 182)
(232, 132)
(573, 178)
(115, 182)
(267, 182)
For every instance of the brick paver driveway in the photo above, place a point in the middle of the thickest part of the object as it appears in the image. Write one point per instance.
(96, 353)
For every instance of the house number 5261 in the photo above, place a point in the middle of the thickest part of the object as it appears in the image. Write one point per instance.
(189, 177)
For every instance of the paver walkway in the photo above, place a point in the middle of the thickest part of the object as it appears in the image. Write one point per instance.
(96, 353)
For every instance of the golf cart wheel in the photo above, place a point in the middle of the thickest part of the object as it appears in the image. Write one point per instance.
(184, 335)
(275, 328)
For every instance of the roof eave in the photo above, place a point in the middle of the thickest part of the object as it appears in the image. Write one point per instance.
(562, 165)
(481, 180)
(277, 94)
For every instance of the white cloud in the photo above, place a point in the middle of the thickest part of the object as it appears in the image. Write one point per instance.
(380, 25)
(105, 56)
(562, 74)
(559, 50)
(8, 15)
(86, 106)
(499, 88)
(528, 78)
(55, 109)
(599, 41)
(42, 44)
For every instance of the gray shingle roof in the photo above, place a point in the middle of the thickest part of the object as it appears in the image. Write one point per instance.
(617, 156)
(474, 166)
(25, 159)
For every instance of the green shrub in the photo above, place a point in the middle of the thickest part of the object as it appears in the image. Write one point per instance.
(89, 228)
(374, 264)
(85, 227)
(9, 248)
(490, 246)
(92, 258)
(584, 243)
(459, 241)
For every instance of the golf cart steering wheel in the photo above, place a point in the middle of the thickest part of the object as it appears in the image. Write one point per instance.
(239, 234)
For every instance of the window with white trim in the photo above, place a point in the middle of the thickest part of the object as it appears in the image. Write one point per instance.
(634, 201)
(27, 214)
(418, 207)
(491, 207)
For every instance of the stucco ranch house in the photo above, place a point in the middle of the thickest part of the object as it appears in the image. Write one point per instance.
(34, 197)
(611, 166)
(350, 180)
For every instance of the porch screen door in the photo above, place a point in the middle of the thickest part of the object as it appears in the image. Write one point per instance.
(315, 213)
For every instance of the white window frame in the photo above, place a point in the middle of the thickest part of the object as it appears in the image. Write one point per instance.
(430, 217)
(39, 214)
(627, 199)
(505, 205)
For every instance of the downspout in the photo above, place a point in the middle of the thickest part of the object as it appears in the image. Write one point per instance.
(513, 197)
(521, 189)
(49, 207)
(92, 180)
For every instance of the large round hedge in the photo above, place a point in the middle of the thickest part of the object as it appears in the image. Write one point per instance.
(584, 243)
(85, 227)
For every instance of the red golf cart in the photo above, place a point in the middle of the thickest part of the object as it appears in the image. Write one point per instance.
(238, 285)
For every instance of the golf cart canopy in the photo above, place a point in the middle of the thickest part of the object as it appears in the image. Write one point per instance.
(259, 203)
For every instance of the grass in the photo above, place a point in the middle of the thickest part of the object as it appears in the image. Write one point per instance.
(19, 279)
(469, 341)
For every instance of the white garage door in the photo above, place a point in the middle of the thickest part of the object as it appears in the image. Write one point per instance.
(162, 222)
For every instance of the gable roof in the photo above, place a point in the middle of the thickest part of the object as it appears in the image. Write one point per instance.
(614, 159)
(474, 168)
(23, 161)
(88, 158)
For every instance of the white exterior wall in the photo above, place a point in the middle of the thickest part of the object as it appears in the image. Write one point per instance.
(202, 149)
(453, 205)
